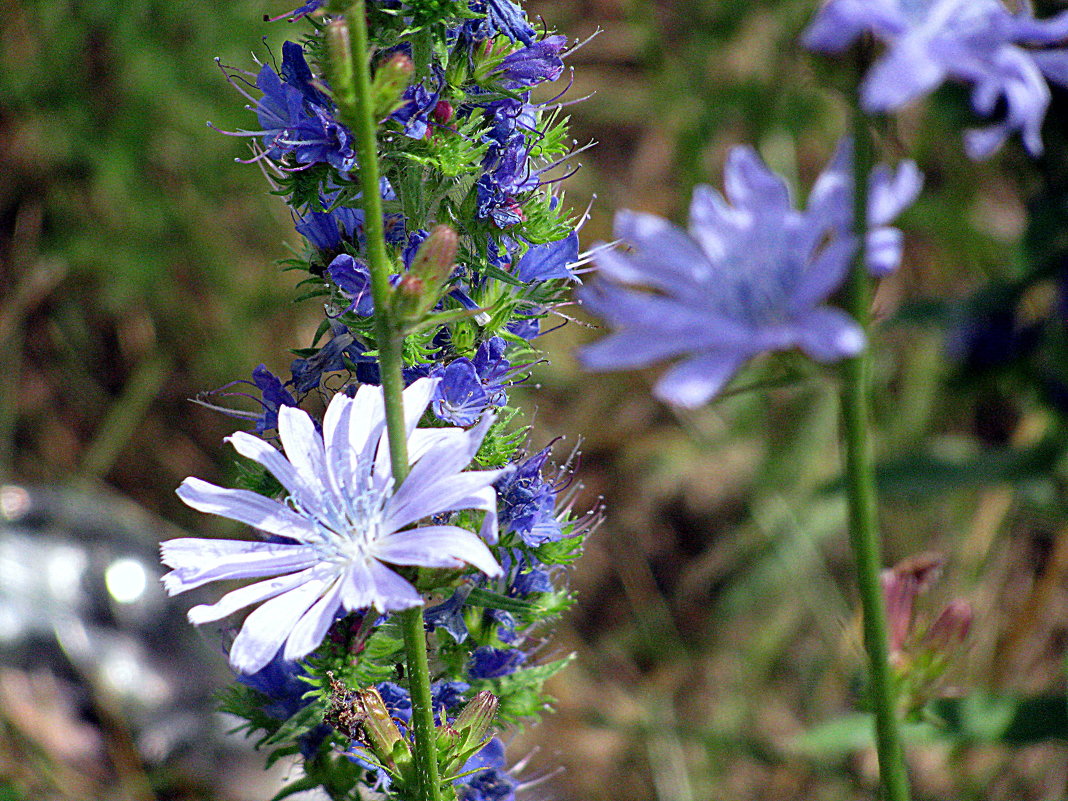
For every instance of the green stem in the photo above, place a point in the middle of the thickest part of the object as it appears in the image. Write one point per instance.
(351, 81)
(860, 485)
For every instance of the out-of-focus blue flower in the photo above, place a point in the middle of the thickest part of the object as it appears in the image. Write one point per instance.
(449, 614)
(489, 781)
(523, 575)
(309, 7)
(445, 695)
(415, 239)
(889, 193)
(751, 276)
(281, 681)
(528, 501)
(324, 229)
(367, 372)
(526, 328)
(397, 700)
(448, 694)
(979, 42)
(530, 581)
(491, 663)
(344, 522)
(534, 64)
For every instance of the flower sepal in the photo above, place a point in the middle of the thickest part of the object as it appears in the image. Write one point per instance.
(421, 288)
(387, 87)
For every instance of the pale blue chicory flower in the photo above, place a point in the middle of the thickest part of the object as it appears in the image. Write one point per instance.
(890, 192)
(341, 523)
(979, 42)
(750, 276)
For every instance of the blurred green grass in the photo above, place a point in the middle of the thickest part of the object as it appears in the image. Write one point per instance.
(716, 622)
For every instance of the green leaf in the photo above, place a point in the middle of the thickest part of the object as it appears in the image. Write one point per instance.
(845, 735)
(494, 600)
(299, 786)
(304, 720)
(928, 474)
(520, 693)
(1008, 719)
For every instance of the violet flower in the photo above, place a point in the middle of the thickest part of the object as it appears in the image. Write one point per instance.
(750, 276)
(353, 278)
(491, 663)
(979, 42)
(342, 524)
(531, 65)
(528, 501)
(549, 261)
(484, 776)
(460, 398)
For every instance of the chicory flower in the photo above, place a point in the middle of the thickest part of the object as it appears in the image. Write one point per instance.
(751, 275)
(342, 524)
(890, 192)
(979, 42)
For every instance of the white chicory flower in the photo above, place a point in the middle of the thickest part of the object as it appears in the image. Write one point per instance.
(340, 526)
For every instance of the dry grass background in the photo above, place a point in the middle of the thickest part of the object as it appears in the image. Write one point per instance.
(715, 622)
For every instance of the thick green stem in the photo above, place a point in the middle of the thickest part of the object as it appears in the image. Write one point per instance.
(350, 76)
(860, 486)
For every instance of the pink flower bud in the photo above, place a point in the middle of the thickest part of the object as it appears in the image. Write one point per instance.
(443, 112)
(951, 627)
(901, 584)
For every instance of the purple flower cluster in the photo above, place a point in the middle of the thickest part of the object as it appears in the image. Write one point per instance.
(469, 387)
(1003, 55)
(296, 118)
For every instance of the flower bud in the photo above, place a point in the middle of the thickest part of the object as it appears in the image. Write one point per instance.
(391, 79)
(486, 59)
(420, 289)
(382, 736)
(409, 300)
(443, 112)
(339, 65)
(901, 585)
(465, 736)
(476, 717)
(951, 627)
(434, 260)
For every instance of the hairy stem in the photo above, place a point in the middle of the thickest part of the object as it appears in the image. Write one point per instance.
(350, 75)
(860, 486)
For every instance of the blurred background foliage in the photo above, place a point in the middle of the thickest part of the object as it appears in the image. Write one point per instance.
(716, 627)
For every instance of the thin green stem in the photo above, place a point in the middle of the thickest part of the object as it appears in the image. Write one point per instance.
(350, 75)
(860, 486)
